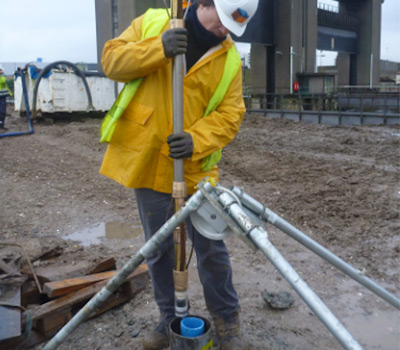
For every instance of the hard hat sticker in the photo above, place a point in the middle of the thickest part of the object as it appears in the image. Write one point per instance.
(240, 15)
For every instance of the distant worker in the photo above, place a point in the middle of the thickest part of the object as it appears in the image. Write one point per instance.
(142, 146)
(4, 92)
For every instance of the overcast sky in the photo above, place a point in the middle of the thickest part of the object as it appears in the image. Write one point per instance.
(66, 30)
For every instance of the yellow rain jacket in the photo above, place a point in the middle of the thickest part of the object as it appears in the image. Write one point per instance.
(137, 154)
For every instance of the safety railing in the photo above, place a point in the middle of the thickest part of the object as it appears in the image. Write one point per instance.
(328, 18)
(382, 108)
(327, 7)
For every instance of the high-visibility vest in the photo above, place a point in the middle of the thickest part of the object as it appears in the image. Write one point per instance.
(3, 85)
(153, 23)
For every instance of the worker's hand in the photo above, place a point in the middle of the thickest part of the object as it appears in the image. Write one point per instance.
(175, 41)
(180, 145)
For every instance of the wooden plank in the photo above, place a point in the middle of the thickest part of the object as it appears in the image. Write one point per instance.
(52, 323)
(117, 298)
(49, 252)
(56, 272)
(10, 317)
(30, 294)
(138, 280)
(50, 317)
(59, 288)
(126, 292)
(107, 264)
(66, 301)
(48, 323)
(135, 285)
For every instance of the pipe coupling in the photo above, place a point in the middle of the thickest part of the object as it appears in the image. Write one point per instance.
(181, 280)
(179, 190)
(176, 23)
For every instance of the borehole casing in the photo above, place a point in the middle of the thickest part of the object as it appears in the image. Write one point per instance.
(201, 342)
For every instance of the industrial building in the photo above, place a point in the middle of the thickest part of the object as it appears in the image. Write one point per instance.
(285, 36)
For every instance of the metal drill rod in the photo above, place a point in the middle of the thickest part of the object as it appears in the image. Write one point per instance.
(152, 244)
(260, 238)
(177, 87)
(269, 216)
(179, 185)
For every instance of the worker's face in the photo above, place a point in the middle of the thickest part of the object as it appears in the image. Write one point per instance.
(208, 17)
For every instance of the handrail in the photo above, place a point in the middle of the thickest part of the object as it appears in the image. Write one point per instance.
(373, 103)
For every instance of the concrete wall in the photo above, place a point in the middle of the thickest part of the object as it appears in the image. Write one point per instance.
(310, 42)
(296, 28)
(126, 11)
(343, 68)
(284, 12)
(104, 27)
(258, 72)
(369, 14)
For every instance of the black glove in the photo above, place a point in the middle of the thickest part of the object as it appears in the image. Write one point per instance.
(180, 145)
(175, 41)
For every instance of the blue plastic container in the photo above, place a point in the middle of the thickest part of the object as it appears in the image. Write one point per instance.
(192, 327)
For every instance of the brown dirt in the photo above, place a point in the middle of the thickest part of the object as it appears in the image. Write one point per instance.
(339, 185)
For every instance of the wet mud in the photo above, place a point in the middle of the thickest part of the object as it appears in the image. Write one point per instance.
(338, 185)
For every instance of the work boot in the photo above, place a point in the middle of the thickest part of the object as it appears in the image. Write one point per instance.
(229, 334)
(157, 338)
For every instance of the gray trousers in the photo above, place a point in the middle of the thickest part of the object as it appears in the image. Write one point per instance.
(213, 262)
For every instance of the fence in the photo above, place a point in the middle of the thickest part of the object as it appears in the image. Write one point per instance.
(335, 109)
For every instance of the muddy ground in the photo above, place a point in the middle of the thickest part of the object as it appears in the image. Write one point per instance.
(339, 185)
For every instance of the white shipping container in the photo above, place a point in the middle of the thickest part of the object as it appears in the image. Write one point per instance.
(65, 92)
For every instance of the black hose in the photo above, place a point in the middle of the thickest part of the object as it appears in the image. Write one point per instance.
(47, 69)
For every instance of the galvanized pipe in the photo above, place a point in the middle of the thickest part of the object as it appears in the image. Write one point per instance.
(260, 210)
(260, 238)
(152, 244)
(177, 88)
(306, 293)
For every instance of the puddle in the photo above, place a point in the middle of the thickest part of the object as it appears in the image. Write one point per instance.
(104, 230)
(377, 330)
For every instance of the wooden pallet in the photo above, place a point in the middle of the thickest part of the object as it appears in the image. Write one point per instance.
(66, 297)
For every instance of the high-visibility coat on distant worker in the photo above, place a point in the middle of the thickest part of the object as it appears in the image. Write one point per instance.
(3, 85)
(137, 154)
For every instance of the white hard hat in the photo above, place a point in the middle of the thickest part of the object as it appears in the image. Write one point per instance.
(1, 67)
(235, 14)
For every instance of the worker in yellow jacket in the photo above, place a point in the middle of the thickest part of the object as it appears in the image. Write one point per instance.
(142, 145)
(4, 92)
